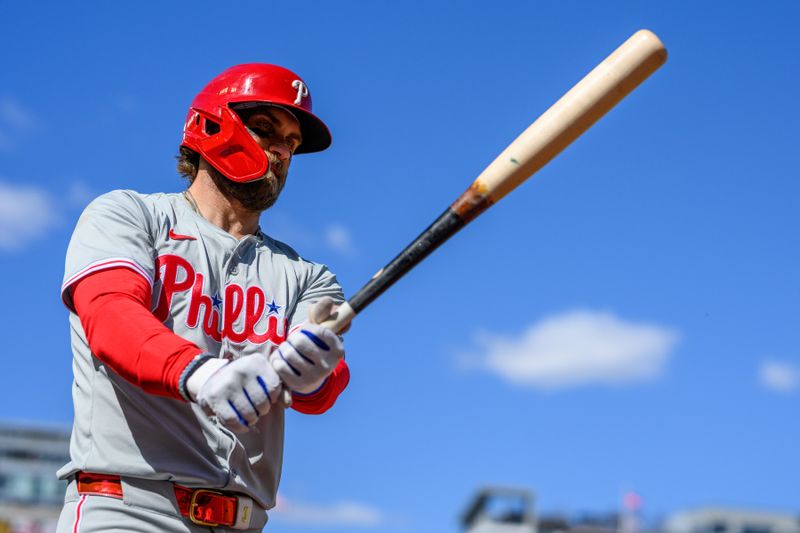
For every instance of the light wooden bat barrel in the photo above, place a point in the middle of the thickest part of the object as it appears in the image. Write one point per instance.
(574, 113)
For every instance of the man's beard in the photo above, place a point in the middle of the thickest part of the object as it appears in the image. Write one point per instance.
(257, 195)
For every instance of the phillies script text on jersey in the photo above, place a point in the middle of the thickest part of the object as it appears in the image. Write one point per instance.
(177, 275)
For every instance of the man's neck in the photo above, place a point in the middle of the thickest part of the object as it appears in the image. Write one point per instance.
(221, 210)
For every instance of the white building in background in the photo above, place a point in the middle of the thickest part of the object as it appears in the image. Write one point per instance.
(30, 494)
(729, 520)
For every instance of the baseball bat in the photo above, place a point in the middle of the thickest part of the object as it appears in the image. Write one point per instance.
(574, 113)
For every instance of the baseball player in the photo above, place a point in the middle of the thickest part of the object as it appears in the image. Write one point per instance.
(192, 330)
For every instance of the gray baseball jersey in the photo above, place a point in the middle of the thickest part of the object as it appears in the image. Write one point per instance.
(230, 297)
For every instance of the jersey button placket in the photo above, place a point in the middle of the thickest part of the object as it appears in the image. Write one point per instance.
(232, 265)
(238, 252)
(231, 270)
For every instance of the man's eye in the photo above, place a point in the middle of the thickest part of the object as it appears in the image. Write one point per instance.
(261, 131)
(262, 124)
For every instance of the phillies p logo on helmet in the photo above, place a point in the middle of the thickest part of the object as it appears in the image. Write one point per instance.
(302, 91)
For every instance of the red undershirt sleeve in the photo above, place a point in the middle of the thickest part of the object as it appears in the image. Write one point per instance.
(323, 398)
(114, 310)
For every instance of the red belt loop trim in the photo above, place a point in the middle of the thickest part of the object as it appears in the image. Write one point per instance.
(99, 484)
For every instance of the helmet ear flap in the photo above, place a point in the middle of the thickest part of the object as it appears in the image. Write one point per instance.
(227, 146)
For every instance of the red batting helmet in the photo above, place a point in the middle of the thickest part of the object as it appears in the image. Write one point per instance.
(216, 132)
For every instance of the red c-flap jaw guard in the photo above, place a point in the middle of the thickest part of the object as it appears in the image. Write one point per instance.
(233, 150)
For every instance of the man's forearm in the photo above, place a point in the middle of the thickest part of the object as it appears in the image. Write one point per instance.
(122, 332)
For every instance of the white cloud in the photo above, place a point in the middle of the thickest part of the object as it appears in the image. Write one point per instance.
(779, 376)
(16, 123)
(79, 195)
(15, 115)
(6, 144)
(338, 239)
(278, 224)
(349, 514)
(25, 214)
(579, 347)
(283, 226)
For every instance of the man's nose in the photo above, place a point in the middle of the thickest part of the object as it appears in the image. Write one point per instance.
(280, 150)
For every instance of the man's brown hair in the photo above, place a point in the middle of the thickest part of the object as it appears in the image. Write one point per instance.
(188, 163)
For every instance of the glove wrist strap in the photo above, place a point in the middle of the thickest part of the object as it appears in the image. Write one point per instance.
(191, 370)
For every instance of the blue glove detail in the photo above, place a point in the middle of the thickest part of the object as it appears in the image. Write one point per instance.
(293, 369)
(241, 392)
(238, 414)
(307, 357)
(249, 399)
(316, 340)
(301, 354)
(264, 387)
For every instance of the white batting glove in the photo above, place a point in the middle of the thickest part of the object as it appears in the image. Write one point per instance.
(308, 356)
(237, 392)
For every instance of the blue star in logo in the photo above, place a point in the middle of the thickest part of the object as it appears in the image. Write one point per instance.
(273, 307)
(216, 301)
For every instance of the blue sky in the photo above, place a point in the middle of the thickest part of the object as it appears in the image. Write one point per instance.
(626, 320)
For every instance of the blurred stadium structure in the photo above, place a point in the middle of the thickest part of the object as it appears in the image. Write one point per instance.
(512, 510)
(500, 510)
(30, 494)
(722, 520)
(31, 498)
